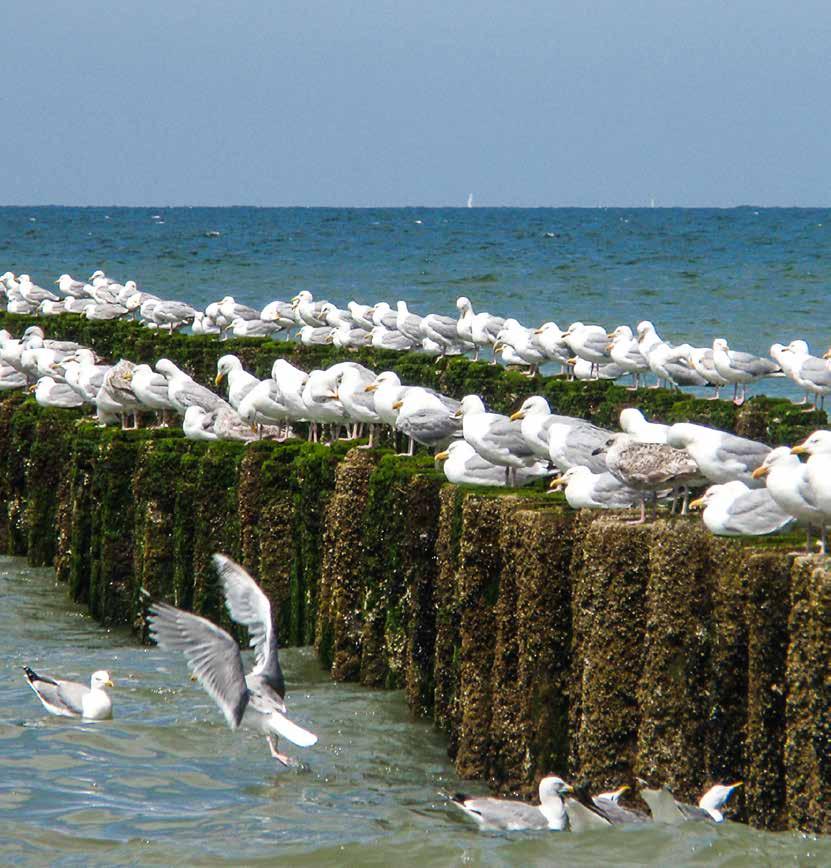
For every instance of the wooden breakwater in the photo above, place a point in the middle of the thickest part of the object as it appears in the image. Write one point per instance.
(538, 639)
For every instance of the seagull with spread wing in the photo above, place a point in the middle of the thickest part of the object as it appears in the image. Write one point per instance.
(215, 660)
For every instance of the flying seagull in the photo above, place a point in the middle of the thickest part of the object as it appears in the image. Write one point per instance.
(215, 660)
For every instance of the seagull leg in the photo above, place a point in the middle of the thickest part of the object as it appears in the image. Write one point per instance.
(642, 519)
(272, 746)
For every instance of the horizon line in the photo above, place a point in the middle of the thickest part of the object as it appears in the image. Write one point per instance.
(442, 207)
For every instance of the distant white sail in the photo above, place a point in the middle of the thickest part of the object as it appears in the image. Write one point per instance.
(470, 200)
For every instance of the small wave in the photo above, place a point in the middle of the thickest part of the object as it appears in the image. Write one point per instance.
(476, 278)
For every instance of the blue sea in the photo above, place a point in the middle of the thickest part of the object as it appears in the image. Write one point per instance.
(753, 275)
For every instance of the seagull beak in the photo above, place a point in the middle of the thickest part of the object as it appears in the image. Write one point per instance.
(610, 335)
(737, 784)
(572, 360)
(370, 388)
(218, 379)
(567, 788)
(458, 414)
(760, 472)
(698, 503)
(827, 354)
(801, 449)
(609, 347)
(193, 678)
(556, 483)
(520, 414)
(621, 790)
(33, 388)
(56, 282)
(334, 396)
(599, 451)
(109, 683)
(538, 331)
(441, 456)
(397, 405)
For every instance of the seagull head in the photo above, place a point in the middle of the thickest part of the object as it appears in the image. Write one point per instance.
(716, 798)
(817, 443)
(470, 404)
(100, 679)
(553, 786)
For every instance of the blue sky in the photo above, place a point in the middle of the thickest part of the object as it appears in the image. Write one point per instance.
(590, 102)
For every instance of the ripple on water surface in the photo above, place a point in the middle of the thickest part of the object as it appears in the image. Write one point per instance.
(166, 782)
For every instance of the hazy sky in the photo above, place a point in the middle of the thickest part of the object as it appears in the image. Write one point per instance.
(588, 102)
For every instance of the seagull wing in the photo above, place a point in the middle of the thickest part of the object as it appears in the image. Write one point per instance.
(248, 605)
(212, 656)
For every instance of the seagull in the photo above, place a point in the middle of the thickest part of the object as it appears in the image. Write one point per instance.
(409, 324)
(150, 388)
(587, 490)
(633, 422)
(49, 393)
(184, 391)
(463, 465)
(427, 417)
(665, 809)
(215, 660)
(495, 437)
(733, 509)
(307, 310)
(589, 342)
(721, 457)
(70, 699)
(741, 368)
(232, 310)
(240, 382)
(550, 338)
(788, 484)
(536, 420)
(608, 804)
(575, 442)
(625, 352)
(701, 358)
(198, 424)
(67, 285)
(509, 815)
(647, 467)
(254, 328)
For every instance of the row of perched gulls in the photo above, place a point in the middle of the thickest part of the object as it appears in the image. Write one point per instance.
(755, 489)
(584, 351)
(561, 810)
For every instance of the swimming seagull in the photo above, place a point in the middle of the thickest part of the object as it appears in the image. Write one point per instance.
(215, 660)
(608, 804)
(70, 699)
(665, 808)
(508, 815)
(733, 509)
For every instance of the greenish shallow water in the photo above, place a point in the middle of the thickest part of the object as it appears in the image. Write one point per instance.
(167, 783)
